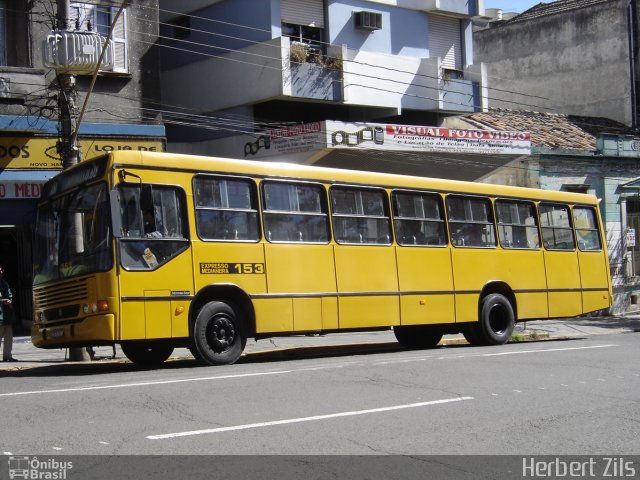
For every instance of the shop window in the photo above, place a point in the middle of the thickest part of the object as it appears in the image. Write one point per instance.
(633, 223)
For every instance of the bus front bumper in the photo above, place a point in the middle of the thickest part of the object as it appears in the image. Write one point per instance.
(94, 330)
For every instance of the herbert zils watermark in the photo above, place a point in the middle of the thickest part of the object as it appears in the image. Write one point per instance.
(33, 468)
(591, 467)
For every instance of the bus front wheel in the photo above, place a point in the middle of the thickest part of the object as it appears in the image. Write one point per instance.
(417, 336)
(146, 354)
(495, 323)
(218, 336)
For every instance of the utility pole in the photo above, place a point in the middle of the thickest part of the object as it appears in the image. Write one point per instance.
(67, 145)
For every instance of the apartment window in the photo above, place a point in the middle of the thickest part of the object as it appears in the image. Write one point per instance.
(311, 36)
(181, 27)
(14, 43)
(303, 21)
(86, 17)
(3, 32)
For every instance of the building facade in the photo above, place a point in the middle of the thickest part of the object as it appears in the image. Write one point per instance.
(243, 66)
(578, 57)
(122, 111)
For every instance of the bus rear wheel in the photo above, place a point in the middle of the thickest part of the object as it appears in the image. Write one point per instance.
(417, 336)
(218, 335)
(146, 354)
(495, 323)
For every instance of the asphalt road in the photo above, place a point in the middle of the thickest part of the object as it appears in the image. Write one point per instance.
(554, 397)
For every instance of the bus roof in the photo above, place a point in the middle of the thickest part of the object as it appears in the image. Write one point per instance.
(203, 164)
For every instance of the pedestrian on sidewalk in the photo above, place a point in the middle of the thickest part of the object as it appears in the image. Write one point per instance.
(7, 318)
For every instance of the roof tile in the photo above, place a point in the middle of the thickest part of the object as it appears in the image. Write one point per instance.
(550, 130)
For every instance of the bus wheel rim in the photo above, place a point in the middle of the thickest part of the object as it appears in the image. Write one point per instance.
(221, 333)
(497, 320)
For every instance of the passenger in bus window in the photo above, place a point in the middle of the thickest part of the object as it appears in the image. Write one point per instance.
(150, 225)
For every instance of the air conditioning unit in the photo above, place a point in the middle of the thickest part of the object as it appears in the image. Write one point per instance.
(368, 20)
(76, 53)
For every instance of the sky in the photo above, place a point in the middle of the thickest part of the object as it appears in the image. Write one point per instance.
(518, 6)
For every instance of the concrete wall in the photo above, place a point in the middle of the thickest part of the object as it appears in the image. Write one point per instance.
(116, 98)
(403, 32)
(576, 62)
(219, 28)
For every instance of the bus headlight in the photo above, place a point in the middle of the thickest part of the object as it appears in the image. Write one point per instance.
(85, 308)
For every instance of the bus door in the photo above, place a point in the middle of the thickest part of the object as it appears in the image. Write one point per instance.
(155, 270)
(473, 255)
(594, 268)
(365, 263)
(301, 281)
(561, 261)
(424, 261)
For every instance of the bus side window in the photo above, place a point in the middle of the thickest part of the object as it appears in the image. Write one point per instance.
(471, 221)
(226, 208)
(557, 231)
(295, 212)
(587, 232)
(418, 219)
(360, 216)
(517, 224)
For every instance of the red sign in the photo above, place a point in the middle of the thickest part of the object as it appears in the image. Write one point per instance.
(20, 190)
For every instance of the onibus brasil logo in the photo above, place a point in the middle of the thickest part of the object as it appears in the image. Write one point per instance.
(33, 468)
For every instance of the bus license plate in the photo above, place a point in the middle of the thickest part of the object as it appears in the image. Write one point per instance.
(57, 332)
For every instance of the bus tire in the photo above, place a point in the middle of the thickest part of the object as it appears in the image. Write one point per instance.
(219, 337)
(417, 336)
(473, 335)
(147, 354)
(497, 319)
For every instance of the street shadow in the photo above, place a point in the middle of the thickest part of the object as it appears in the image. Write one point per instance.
(117, 366)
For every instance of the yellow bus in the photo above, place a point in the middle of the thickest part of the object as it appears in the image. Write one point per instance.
(155, 251)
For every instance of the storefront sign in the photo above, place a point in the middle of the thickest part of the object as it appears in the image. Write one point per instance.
(24, 153)
(426, 139)
(385, 137)
(20, 190)
(281, 141)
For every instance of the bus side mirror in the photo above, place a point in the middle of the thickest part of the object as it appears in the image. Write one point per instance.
(116, 216)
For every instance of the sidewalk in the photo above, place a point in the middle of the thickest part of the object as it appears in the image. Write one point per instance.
(30, 357)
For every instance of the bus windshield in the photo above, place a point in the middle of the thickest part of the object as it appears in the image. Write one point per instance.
(73, 235)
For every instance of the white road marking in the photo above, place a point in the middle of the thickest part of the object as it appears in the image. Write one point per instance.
(304, 419)
(544, 350)
(280, 372)
(145, 384)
